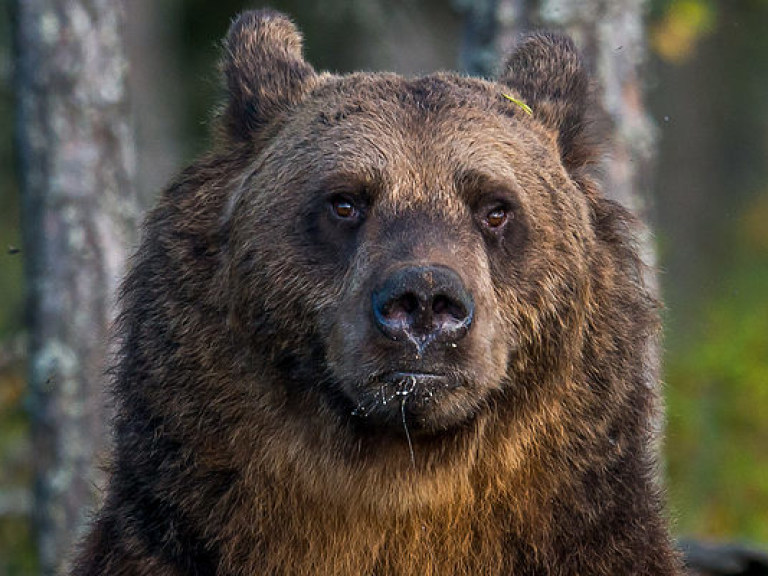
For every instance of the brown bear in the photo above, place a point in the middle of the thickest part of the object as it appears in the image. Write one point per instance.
(387, 326)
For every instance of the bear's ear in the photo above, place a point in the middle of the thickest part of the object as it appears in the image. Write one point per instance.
(547, 71)
(264, 70)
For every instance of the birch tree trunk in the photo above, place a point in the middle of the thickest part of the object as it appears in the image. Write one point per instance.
(76, 163)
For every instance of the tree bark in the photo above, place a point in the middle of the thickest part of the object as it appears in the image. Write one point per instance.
(76, 166)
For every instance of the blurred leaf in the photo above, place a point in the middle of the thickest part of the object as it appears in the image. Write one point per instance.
(755, 227)
(684, 23)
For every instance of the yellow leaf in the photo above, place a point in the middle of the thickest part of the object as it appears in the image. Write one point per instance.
(520, 103)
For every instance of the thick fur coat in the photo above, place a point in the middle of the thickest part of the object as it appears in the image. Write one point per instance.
(386, 326)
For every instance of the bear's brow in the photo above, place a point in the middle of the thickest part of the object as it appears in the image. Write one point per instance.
(368, 181)
(474, 184)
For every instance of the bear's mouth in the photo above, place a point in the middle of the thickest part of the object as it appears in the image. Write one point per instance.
(387, 399)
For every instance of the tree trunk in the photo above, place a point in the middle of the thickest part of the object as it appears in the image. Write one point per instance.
(76, 161)
(611, 35)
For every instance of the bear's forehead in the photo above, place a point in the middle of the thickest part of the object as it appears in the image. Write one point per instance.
(441, 114)
(415, 141)
(413, 133)
(406, 100)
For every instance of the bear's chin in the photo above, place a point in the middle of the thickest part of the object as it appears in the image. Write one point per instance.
(421, 403)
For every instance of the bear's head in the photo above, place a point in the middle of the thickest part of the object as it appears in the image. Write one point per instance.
(420, 241)
(386, 326)
(367, 265)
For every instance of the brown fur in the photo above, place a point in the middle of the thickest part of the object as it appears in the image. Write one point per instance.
(256, 432)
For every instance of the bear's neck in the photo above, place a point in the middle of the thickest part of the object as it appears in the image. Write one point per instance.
(465, 519)
(292, 536)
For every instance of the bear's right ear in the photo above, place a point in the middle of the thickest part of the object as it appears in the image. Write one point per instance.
(548, 72)
(264, 70)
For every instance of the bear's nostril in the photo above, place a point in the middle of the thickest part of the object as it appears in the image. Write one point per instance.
(409, 303)
(443, 305)
(398, 311)
(440, 304)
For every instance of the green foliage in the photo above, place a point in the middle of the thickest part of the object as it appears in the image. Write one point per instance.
(16, 547)
(17, 557)
(717, 392)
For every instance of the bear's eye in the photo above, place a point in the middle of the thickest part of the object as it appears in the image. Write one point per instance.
(344, 209)
(497, 217)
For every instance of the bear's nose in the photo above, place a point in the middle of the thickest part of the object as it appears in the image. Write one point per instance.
(423, 304)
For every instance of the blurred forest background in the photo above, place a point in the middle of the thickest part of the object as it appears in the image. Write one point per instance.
(706, 81)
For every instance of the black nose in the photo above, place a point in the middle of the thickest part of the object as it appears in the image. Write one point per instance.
(423, 304)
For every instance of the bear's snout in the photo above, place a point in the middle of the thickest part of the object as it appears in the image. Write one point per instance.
(423, 304)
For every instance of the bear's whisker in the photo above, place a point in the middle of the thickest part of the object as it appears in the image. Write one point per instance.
(407, 434)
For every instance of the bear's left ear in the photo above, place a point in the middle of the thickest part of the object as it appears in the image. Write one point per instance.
(264, 69)
(547, 71)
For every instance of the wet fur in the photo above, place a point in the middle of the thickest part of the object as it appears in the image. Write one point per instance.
(235, 450)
